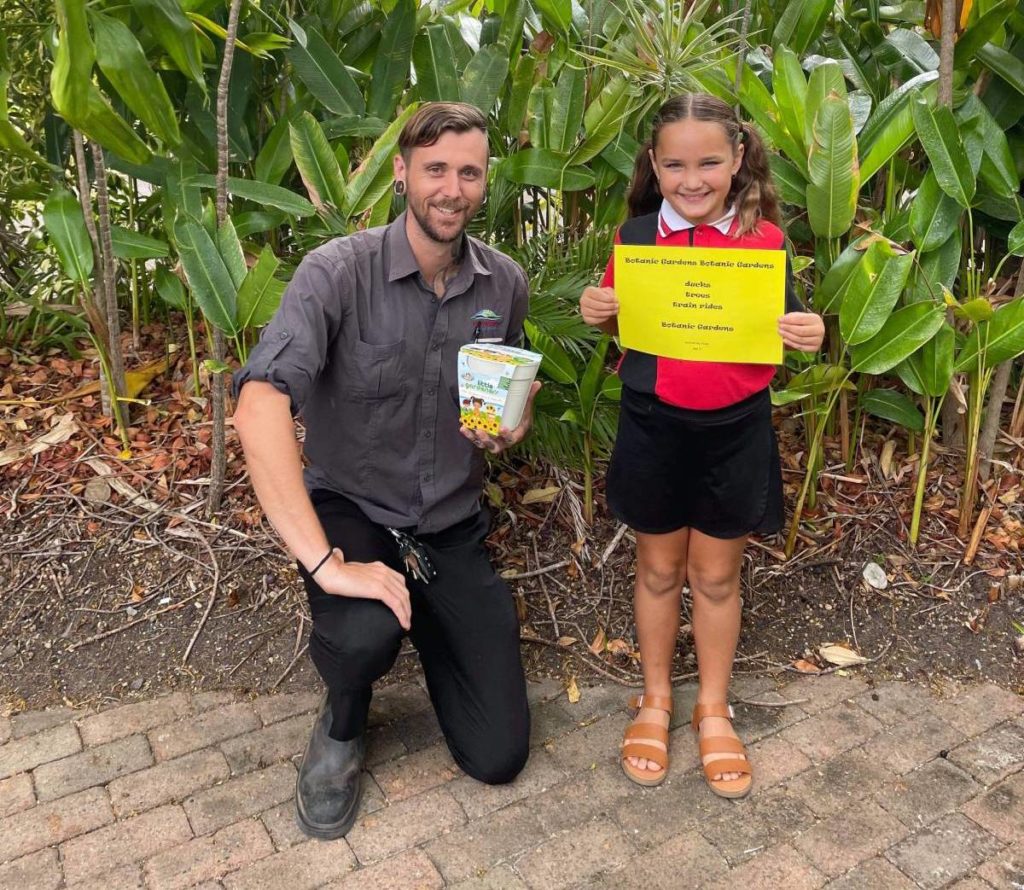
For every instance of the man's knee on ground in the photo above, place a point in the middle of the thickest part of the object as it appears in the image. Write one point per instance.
(499, 764)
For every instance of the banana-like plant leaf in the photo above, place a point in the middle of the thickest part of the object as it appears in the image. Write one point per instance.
(544, 168)
(602, 121)
(931, 367)
(937, 269)
(557, 14)
(208, 277)
(937, 129)
(391, 60)
(557, 363)
(833, 170)
(976, 310)
(275, 157)
(258, 192)
(132, 245)
(589, 383)
(260, 293)
(566, 109)
(801, 24)
(317, 165)
(123, 62)
(873, 293)
(829, 295)
(360, 193)
(65, 223)
(934, 215)
(791, 92)
(170, 288)
(231, 252)
(513, 106)
(10, 139)
(323, 73)
(906, 331)
(437, 79)
(759, 104)
(825, 80)
(484, 77)
(890, 404)
(252, 222)
(791, 185)
(1015, 240)
(611, 387)
(981, 32)
(892, 124)
(820, 380)
(167, 22)
(995, 341)
(1003, 63)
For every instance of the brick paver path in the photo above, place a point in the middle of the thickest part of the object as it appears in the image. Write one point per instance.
(855, 787)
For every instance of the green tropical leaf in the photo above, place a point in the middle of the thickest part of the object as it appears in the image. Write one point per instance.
(791, 92)
(1003, 63)
(828, 296)
(65, 223)
(889, 404)
(260, 293)
(170, 288)
(252, 222)
(556, 13)
(759, 104)
(437, 79)
(556, 364)
(1015, 240)
(391, 60)
(275, 157)
(360, 193)
(132, 245)
(208, 277)
(484, 77)
(790, 183)
(230, 249)
(906, 331)
(323, 73)
(820, 380)
(317, 165)
(1001, 339)
(891, 125)
(544, 168)
(590, 382)
(825, 80)
(801, 24)
(934, 215)
(981, 32)
(167, 22)
(932, 364)
(259, 192)
(513, 106)
(938, 268)
(566, 112)
(10, 139)
(940, 136)
(873, 292)
(833, 170)
(603, 119)
(123, 62)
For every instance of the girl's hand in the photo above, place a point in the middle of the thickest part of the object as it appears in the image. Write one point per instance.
(802, 330)
(598, 305)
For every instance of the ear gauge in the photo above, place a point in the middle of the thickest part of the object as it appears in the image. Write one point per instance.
(399, 187)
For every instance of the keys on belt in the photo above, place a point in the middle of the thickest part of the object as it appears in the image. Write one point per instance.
(414, 557)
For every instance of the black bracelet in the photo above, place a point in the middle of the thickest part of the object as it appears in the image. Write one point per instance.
(320, 564)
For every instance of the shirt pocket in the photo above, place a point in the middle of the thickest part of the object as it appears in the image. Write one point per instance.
(377, 370)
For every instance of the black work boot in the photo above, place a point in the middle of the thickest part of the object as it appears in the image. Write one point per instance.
(328, 788)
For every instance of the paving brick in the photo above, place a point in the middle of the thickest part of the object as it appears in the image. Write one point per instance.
(824, 692)
(977, 708)
(5, 730)
(383, 743)
(875, 874)
(780, 866)
(835, 784)
(21, 755)
(123, 843)
(543, 690)
(172, 780)
(584, 796)
(397, 702)
(651, 816)
(598, 701)
(284, 828)
(909, 745)
(301, 867)
(280, 741)
(1000, 810)
(687, 860)
(859, 833)
(774, 760)
(37, 871)
(1005, 869)
(973, 883)
(893, 702)
(500, 878)
(116, 723)
(394, 828)
(201, 702)
(753, 723)
(418, 730)
(993, 754)
(31, 722)
(593, 744)
(549, 721)
(16, 794)
(411, 870)
(412, 774)
(174, 739)
(833, 731)
(273, 708)
(238, 798)
(769, 818)
(575, 856)
(478, 798)
(51, 823)
(93, 766)
(208, 858)
(925, 794)
(127, 877)
(943, 851)
(481, 845)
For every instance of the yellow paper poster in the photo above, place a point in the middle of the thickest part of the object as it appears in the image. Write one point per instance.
(708, 304)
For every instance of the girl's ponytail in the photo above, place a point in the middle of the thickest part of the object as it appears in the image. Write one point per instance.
(753, 192)
(644, 195)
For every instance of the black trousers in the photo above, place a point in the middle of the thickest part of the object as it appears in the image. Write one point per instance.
(464, 627)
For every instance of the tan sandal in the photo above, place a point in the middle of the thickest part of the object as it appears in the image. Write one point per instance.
(636, 741)
(732, 788)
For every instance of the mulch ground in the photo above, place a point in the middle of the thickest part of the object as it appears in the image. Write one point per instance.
(113, 584)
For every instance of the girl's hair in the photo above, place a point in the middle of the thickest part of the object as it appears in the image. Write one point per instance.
(752, 192)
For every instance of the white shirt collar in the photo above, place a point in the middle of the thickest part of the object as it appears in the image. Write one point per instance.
(670, 221)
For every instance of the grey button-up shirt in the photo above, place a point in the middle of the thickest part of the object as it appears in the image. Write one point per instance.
(367, 354)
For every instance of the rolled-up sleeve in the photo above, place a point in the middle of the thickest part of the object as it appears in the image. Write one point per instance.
(293, 348)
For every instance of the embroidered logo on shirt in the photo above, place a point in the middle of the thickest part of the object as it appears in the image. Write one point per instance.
(487, 321)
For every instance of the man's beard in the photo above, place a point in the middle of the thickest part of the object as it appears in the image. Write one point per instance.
(432, 233)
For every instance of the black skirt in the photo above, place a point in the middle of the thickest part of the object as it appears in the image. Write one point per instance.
(715, 471)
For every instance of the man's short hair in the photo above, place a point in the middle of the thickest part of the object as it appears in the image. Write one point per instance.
(434, 119)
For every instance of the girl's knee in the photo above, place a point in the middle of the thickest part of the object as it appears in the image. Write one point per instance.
(662, 578)
(714, 585)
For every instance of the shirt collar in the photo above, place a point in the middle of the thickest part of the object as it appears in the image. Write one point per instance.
(402, 261)
(669, 221)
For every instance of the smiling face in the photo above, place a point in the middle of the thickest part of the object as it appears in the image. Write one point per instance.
(444, 183)
(695, 163)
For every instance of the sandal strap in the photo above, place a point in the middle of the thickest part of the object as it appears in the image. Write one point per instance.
(717, 767)
(646, 731)
(655, 755)
(721, 744)
(659, 702)
(718, 709)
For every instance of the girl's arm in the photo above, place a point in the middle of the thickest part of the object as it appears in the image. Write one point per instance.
(599, 307)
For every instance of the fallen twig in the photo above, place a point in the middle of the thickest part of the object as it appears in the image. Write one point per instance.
(210, 601)
(116, 630)
(518, 576)
(290, 667)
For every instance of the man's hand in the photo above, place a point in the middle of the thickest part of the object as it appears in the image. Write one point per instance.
(802, 330)
(367, 580)
(598, 305)
(505, 438)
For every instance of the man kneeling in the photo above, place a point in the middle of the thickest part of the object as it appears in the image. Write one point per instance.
(385, 522)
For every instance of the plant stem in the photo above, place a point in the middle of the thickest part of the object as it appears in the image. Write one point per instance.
(931, 416)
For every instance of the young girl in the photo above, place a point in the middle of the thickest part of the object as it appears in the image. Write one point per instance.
(695, 467)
